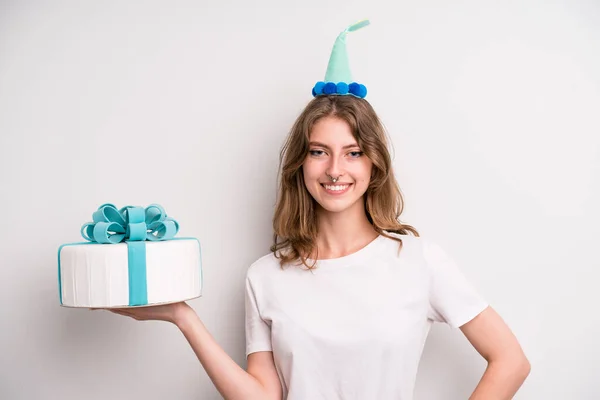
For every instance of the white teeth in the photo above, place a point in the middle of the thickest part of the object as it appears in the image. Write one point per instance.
(336, 187)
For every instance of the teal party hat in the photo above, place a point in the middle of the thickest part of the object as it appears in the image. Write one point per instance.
(338, 78)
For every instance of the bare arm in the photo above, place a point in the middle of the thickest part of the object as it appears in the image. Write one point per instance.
(507, 365)
(259, 382)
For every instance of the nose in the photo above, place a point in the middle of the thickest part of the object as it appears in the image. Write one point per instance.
(334, 168)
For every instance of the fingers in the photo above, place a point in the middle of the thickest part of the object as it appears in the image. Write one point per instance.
(125, 313)
(120, 311)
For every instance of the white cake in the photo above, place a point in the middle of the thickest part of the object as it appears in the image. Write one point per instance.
(129, 274)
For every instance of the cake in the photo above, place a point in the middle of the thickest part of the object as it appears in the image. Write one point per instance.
(130, 259)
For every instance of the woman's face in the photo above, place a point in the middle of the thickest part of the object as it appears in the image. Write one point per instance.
(333, 152)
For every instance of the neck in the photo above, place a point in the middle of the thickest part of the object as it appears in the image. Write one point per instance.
(343, 233)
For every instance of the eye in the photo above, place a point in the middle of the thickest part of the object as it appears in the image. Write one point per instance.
(355, 154)
(316, 153)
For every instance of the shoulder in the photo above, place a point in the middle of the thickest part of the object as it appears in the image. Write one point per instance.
(413, 247)
(414, 242)
(263, 266)
(406, 243)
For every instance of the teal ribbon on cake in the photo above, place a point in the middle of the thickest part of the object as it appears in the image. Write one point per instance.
(134, 226)
(130, 223)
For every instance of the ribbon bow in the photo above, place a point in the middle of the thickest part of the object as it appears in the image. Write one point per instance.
(129, 224)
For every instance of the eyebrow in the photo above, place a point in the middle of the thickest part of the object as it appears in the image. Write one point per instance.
(348, 146)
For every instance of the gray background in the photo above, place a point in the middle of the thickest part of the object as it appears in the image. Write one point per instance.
(492, 107)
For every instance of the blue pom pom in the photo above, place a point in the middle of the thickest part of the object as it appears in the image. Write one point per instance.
(342, 88)
(318, 89)
(362, 91)
(330, 88)
(358, 89)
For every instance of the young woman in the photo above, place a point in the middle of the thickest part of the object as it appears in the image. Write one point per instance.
(341, 307)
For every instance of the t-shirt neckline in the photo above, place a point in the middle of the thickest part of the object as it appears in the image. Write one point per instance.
(361, 254)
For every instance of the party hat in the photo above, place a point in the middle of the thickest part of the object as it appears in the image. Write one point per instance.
(338, 78)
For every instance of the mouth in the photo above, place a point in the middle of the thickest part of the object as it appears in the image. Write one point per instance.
(336, 189)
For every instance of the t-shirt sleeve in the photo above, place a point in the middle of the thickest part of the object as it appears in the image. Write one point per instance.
(452, 298)
(258, 331)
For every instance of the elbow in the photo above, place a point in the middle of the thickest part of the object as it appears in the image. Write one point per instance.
(524, 368)
(518, 367)
(521, 365)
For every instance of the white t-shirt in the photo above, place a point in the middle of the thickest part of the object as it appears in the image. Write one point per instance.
(355, 327)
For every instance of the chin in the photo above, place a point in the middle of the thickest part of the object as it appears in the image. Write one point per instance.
(333, 208)
(338, 206)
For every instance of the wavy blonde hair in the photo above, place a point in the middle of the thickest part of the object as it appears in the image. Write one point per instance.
(295, 220)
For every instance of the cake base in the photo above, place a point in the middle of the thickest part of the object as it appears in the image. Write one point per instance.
(127, 275)
(140, 306)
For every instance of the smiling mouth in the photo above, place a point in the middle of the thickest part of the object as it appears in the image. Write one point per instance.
(336, 189)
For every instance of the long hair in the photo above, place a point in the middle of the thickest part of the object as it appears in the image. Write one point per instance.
(295, 219)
